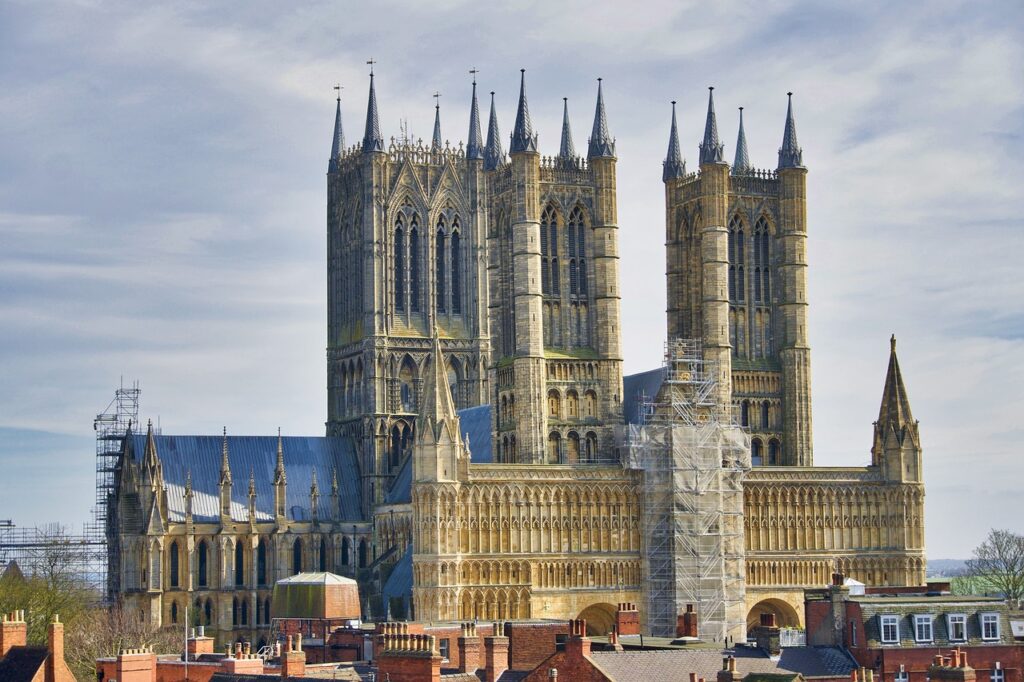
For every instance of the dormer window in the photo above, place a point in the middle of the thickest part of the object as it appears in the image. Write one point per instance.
(924, 630)
(989, 626)
(957, 624)
(890, 629)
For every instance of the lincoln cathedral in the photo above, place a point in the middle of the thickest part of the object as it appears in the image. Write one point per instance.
(485, 457)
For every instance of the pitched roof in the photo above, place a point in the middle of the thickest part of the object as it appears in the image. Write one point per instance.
(201, 455)
(636, 387)
(667, 664)
(22, 663)
(316, 578)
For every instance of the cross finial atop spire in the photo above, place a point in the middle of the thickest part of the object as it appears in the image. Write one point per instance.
(494, 155)
(601, 143)
(225, 467)
(675, 167)
(790, 154)
(373, 141)
(741, 164)
(436, 141)
(474, 150)
(371, 61)
(711, 150)
(338, 140)
(523, 137)
(567, 150)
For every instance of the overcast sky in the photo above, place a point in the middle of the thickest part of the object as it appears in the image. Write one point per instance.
(162, 204)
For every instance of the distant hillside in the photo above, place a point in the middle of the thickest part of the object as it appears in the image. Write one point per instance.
(945, 567)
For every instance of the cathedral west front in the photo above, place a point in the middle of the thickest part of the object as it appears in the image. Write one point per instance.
(484, 456)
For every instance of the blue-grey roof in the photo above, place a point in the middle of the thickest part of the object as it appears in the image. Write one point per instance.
(399, 583)
(636, 388)
(475, 423)
(201, 455)
(401, 487)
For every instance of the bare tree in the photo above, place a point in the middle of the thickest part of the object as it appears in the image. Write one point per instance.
(104, 633)
(999, 562)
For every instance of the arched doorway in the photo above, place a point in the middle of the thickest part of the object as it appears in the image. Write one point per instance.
(785, 614)
(600, 618)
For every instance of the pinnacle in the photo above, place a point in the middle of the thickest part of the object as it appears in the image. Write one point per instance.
(523, 137)
(567, 150)
(494, 155)
(675, 167)
(474, 150)
(373, 141)
(601, 143)
(711, 150)
(790, 154)
(742, 162)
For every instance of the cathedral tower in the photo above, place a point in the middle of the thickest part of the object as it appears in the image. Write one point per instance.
(406, 256)
(737, 279)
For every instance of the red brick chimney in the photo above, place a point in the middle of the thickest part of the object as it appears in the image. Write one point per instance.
(404, 657)
(469, 649)
(135, 665)
(577, 645)
(495, 655)
(686, 623)
(293, 658)
(627, 619)
(13, 631)
(57, 669)
(728, 671)
(244, 662)
(198, 644)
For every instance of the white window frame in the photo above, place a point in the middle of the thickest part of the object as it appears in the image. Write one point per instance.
(902, 675)
(922, 620)
(885, 620)
(444, 648)
(989, 618)
(997, 674)
(957, 618)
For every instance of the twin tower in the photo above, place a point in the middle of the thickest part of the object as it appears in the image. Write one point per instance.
(512, 261)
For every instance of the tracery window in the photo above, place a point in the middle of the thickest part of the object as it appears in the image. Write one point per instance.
(414, 267)
(400, 272)
(578, 250)
(439, 266)
(261, 563)
(174, 564)
(202, 564)
(239, 564)
(549, 251)
(297, 556)
(456, 269)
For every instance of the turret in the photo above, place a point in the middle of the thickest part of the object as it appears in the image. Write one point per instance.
(741, 164)
(225, 482)
(896, 446)
(338, 139)
(439, 454)
(373, 141)
(280, 487)
(714, 188)
(791, 334)
(566, 151)
(675, 166)
(494, 155)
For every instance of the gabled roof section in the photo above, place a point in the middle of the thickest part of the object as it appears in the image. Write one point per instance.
(636, 388)
(23, 663)
(438, 409)
(200, 455)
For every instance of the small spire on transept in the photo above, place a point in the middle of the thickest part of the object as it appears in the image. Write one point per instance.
(188, 484)
(601, 143)
(334, 480)
(474, 149)
(567, 150)
(741, 164)
(674, 166)
(895, 409)
(338, 140)
(225, 468)
(435, 143)
(314, 488)
(373, 141)
(523, 137)
(790, 154)
(252, 483)
(279, 475)
(711, 150)
(494, 155)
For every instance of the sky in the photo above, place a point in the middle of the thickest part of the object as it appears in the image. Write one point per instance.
(162, 204)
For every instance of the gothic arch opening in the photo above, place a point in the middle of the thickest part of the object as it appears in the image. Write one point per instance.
(600, 618)
(786, 615)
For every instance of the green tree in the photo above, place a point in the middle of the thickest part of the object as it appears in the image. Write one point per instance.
(999, 562)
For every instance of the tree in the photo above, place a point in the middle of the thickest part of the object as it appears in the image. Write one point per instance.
(999, 561)
(102, 633)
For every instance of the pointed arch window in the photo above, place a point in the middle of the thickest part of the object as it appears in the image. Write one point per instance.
(261, 563)
(323, 555)
(202, 562)
(239, 564)
(400, 271)
(456, 269)
(414, 267)
(245, 611)
(545, 280)
(439, 266)
(549, 250)
(297, 557)
(346, 551)
(174, 564)
(578, 248)
(174, 612)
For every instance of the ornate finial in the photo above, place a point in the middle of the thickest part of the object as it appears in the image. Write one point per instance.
(252, 482)
(188, 483)
(474, 146)
(435, 143)
(474, 71)
(338, 140)
(334, 480)
(373, 141)
(892, 343)
(338, 87)
(371, 62)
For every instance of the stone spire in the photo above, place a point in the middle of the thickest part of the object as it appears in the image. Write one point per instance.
(601, 143)
(435, 143)
(711, 150)
(674, 166)
(314, 498)
(225, 467)
(438, 406)
(373, 141)
(523, 137)
(474, 149)
(895, 410)
(494, 155)
(188, 496)
(567, 151)
(790, 154)
(338, 141)
(279, 475)
(741, 164)
(150, 462)
(252, 498)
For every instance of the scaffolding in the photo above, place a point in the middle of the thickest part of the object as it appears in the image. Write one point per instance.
(693, 458)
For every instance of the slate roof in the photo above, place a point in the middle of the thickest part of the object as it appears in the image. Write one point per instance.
(399, 583)
(636, 385)
(22, 663)
(475, 423)
(905, 608)
(672, 664)
(201, 455)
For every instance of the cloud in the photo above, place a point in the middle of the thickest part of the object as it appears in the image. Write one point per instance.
(162, 198)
